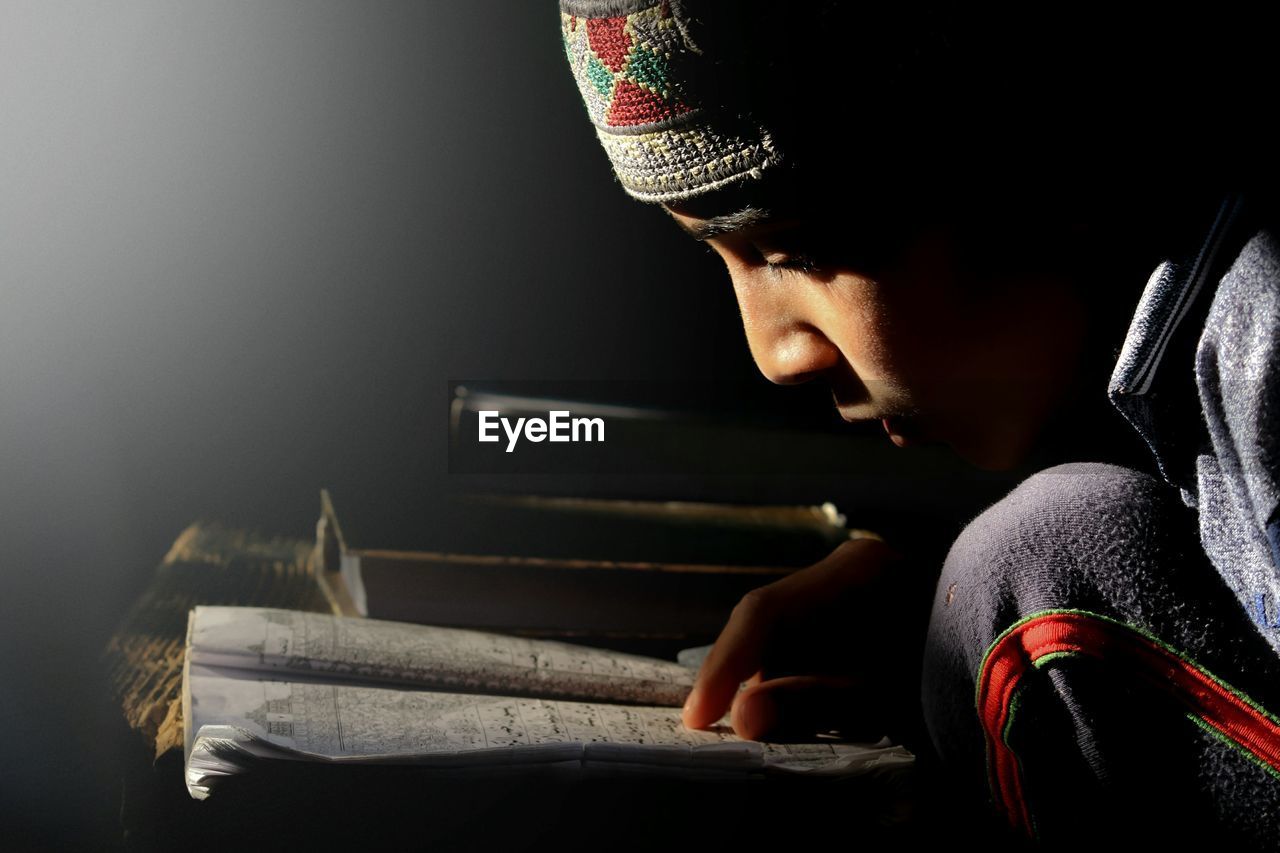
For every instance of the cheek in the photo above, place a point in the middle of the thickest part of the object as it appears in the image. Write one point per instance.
(931, 320)
(914, 323)
(865, 323)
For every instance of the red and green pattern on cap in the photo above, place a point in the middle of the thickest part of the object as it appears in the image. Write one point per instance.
(634, 69)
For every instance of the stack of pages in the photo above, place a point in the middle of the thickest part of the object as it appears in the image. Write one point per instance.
(279, 684)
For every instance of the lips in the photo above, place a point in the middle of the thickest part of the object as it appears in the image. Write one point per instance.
(904, 430)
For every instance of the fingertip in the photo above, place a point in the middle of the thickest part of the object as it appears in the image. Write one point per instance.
(688, 713)
(694, 714)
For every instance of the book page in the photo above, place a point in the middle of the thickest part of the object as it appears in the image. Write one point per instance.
(294, 644)
(244, 716)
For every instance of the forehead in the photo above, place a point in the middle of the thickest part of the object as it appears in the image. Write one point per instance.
(859, 207)
(876, 208)
(850, 195)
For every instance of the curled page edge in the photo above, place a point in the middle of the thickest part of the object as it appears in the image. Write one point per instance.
(218, 751)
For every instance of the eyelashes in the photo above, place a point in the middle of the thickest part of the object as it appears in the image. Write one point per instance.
(778, 259)
(870, 256)
(780, 263)
(796, 264)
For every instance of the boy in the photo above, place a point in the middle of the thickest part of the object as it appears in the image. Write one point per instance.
(923, 212)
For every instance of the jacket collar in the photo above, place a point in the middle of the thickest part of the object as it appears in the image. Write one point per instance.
(1153, 383)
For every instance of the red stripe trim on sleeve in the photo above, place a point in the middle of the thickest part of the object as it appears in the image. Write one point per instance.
(1210, 701)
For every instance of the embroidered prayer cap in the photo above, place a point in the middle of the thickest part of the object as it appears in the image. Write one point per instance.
(690, 96)
(656, 101)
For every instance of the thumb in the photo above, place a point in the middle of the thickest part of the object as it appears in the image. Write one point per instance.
(805, 705)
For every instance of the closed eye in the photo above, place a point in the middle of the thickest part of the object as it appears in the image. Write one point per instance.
(795, 263)
(792, 259)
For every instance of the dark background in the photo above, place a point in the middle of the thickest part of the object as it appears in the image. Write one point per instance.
(243, 247)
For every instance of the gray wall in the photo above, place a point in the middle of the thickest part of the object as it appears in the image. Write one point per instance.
(243, 245)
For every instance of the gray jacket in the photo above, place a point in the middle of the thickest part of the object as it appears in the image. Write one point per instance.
(1217, 440)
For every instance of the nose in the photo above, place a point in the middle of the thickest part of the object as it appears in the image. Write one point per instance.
(781, 320)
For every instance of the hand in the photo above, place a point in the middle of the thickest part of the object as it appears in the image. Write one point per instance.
(829, 647)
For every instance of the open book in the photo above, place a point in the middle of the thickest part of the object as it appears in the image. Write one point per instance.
(280, 684)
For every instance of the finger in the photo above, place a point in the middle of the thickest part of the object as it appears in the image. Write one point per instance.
(805, 705)
(739, 650)
(734, 658)
(753, 680)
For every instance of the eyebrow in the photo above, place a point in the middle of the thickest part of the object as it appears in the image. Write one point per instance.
(715, 226)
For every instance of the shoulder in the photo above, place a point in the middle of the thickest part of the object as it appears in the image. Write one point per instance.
(1078, 523)
(1072, 502)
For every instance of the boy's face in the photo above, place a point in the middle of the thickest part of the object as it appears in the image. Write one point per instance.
(946, 330)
